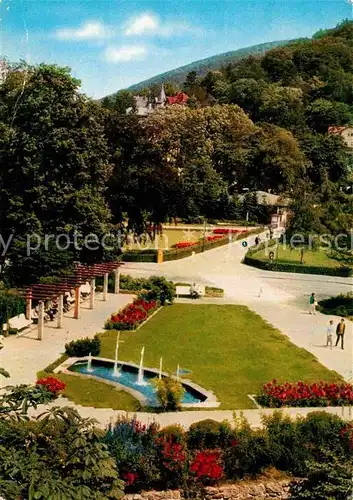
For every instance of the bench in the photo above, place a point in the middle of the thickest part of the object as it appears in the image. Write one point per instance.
(18, 322)
(186, 290)
(182, 290)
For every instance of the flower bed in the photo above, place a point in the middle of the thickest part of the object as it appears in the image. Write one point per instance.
(186, 244)
(132, 315)
(223, 230)
(214, 237)
(301, 394)
(52, 384)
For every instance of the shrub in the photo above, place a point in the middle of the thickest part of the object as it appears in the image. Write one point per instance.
(286, 446)
(172, 462)
(11, 304)
(247, 453)
(321, 430)
(170, 393)
(159, 289)
(175, 432)
(132, 445)
(53, 384)
(328, 477)
(207, 466)
(340, 305)
(208, 434)
(82, 347)
(12, 331)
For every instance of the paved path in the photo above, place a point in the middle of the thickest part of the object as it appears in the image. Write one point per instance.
(186, 418)
(24, 356)
(280, 298)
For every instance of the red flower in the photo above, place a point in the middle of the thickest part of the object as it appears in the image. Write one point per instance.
(206, 466)
(53, 384)
(130, 477)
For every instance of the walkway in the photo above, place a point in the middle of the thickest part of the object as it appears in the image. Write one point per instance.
(106, 416)
(24, 356)
(280, 298)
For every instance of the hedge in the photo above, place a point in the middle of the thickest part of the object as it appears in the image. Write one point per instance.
(11, 304)
(150, 255)
(345, 272)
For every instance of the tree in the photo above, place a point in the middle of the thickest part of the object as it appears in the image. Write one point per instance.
(323, 113)
(53, 161)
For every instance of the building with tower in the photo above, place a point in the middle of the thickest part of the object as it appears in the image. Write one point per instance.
(148, 104)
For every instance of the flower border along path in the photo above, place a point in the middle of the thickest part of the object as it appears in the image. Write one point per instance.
(133, 316)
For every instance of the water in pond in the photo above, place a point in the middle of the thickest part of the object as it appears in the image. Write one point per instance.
(128, 376)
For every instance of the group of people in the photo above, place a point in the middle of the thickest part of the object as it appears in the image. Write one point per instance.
(51, 307)
(340, 327)
(340, 331)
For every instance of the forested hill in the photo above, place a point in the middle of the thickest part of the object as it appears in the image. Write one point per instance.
(177, 76)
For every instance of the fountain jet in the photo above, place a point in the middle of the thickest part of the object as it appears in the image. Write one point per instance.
(89, 363)
(140, 380)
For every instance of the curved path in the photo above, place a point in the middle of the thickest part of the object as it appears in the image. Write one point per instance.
(280, 298)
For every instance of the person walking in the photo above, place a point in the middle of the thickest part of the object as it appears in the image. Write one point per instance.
(330, 330)
(313, 303)
(341, 328)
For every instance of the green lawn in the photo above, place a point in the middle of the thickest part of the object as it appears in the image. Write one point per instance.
(292, 256)
(90, 392)
(229, 349)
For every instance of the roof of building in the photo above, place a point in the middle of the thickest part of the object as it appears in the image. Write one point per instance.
(337, 130)
(180, 98)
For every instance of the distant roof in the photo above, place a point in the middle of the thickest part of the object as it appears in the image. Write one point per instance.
(337, 130)
(264, 198)
(180, 98)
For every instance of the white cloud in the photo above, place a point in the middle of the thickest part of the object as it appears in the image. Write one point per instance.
(91, 30)
(150, 24)
(125, 53)
(142, 25)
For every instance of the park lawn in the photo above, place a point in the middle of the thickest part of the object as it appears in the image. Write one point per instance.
(91, 392)
(230, 350)
(289, 255)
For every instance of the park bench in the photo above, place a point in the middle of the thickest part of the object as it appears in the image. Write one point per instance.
(185, 291)
(17, 322)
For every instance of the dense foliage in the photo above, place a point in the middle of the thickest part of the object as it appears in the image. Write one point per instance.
(75, 167)
(210, 451)
(340, 305)
(83, 347)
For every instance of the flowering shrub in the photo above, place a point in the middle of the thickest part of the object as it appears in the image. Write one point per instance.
(206, 466)
(186, 244)
(132, 315)
(132, 445)
(301, 394)
(172, 461)
(346, 434)
(53, 384)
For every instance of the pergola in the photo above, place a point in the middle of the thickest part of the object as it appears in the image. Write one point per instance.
(80, 275)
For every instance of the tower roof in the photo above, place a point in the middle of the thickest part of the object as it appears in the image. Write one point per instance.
(162, 96)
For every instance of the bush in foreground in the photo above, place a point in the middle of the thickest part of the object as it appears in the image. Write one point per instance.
(170, 393)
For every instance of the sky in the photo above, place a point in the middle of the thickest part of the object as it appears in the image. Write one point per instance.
(111, 44)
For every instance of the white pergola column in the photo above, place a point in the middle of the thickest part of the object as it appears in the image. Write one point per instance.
(92, 293)
(60, 311)
(117, 281)
(40, 319)
(28, 306)
(77, 303)
(105, 287)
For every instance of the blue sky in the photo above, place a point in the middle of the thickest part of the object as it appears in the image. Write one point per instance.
(111, 44)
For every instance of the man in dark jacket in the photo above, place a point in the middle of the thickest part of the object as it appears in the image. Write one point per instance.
(341, 328)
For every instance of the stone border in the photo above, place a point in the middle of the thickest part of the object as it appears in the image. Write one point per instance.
(210, 402)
